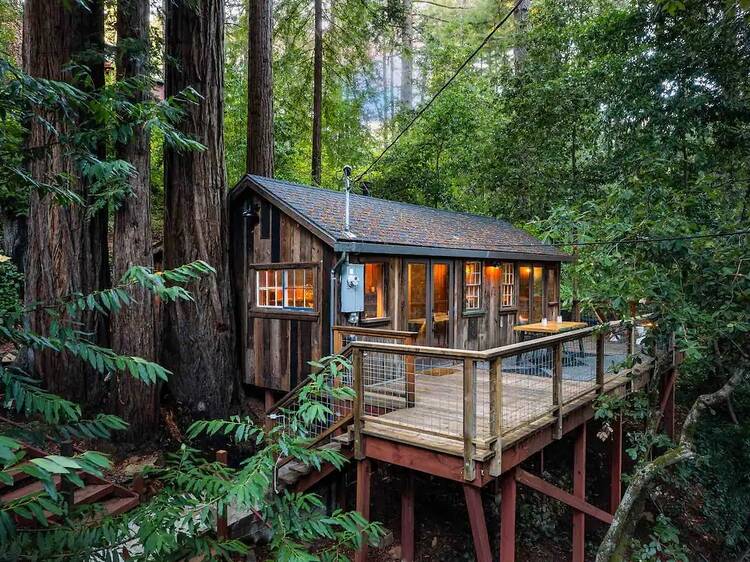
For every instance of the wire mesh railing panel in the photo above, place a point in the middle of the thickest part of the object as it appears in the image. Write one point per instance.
(527, 387)
(578, 366)
(615, 350)
(421, 392)
(483, 407)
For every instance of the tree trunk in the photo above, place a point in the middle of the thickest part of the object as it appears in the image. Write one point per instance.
(13, 241)
(521, 16)
(317, 94)
(199, 343)
(133, 328)
(260, 88)
(66, 251)
(407, 58)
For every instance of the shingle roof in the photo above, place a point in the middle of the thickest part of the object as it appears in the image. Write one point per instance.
(380, 221)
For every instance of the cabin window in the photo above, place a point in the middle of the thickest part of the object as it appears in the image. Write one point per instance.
(508, 286)
(472, 285)
(530, 294)
(524, 281)
(375, 290)
(289, 289)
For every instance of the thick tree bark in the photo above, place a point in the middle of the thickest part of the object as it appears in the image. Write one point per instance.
(260, 88)
(66, 251)
(317, 131)
(407, 58)
(199, 345)
(133, 328)
(521, 16)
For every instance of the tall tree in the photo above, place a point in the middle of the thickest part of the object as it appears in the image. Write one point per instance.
(199, 343)
(133, 329)
(407, 57)
(521, 17)
(260, 88)
(317, 131)
(67, 250)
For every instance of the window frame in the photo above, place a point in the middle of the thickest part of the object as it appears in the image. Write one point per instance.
(385, 265)
(505, 266)
(479, 310)
(283, 311)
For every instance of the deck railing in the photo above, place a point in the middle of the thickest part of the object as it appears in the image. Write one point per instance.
(472, 400)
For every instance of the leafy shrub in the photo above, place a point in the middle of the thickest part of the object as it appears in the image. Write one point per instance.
(10, 287)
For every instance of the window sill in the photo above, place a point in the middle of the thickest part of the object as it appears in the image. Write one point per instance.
(281, 314)
(375, 321)
(473, 313)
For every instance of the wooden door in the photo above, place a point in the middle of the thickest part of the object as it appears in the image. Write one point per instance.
(429, 301)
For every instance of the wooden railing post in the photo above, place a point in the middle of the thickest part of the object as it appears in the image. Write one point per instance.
(470, 418)
(631, 329)
(222, 525)
(557, 387)
(359, 401)
(496, 414)
(600, 363)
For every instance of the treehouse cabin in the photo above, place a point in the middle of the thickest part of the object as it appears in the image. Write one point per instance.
(309, 282)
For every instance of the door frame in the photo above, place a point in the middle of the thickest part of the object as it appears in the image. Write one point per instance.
(429, 302)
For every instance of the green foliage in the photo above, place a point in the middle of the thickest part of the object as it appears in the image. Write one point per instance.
(10, 288)
(664, 544)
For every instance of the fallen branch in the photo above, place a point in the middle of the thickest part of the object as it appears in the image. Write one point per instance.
(614, 546)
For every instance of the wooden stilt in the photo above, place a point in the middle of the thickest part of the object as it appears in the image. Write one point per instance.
(473, 497)
(508, 517)
(341, 490)
(579, 490)
(615, 466)
(364, 473)
(407, 517)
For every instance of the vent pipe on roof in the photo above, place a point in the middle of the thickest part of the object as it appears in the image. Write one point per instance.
(347, 189)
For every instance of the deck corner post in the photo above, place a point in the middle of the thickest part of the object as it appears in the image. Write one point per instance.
(615, 466)
(579, 490)
(407, 517)
(470, 418)
(496, 415)
(364, 474)
(600, 363)
(508, 516)
(557, 388)
(358, 402)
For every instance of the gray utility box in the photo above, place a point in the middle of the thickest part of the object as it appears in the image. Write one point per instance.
(353, 288)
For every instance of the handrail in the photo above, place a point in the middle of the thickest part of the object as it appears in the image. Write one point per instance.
(375, 331)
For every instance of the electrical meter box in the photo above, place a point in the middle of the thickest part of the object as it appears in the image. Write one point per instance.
(353, 288)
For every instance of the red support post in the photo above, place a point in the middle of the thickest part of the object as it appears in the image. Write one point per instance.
(615, 466)
(364, 474)
(473, 497)
(579, 490)
(508, 517)
(407, 517)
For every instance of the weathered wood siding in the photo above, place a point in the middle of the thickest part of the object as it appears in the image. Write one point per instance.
(278, 344)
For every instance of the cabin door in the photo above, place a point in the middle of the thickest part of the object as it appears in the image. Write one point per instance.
(428, 301)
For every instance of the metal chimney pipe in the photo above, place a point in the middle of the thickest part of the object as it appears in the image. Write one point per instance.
(347, 189)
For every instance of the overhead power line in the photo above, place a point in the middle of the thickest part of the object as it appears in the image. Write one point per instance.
(632, 240)
(426, 106)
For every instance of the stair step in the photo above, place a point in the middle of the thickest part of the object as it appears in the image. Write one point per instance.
(345, 439)
(117, 505)
(26, 490)
(92, 493)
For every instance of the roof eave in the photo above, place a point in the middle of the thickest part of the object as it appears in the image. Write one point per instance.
(356, 247)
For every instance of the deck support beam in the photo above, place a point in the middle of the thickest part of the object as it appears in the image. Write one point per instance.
(579, 491)
(478, 523)
(407, 517)
(615, 465)
(508, 516)
(364, 474)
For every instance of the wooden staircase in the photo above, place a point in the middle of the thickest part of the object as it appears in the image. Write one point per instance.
(112, 498)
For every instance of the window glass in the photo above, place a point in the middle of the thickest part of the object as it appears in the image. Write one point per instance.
(375, 290)
(472, 285)
(508, 286)
(524, 281)
(417, 297)
(538, 295)
(292, 288)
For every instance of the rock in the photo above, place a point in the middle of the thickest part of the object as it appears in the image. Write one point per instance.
(385, 540)
(395, 552)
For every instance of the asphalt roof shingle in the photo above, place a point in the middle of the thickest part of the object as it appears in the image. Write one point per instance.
(380, 221)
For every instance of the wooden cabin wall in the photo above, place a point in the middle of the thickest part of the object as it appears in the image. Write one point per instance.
(394, 298)
(278, 344)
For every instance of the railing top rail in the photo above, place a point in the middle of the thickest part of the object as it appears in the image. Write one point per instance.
(375, 331)
(488, 354)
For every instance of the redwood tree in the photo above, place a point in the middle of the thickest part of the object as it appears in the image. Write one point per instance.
(133, 328)
(199, 343)
(317, 125)
(260, 88)
(67, 251)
